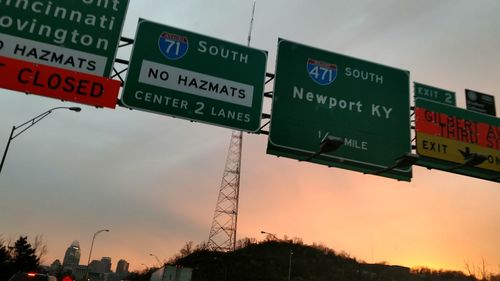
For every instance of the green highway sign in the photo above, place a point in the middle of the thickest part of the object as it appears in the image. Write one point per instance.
(435, 94)
(196, 77)
(77, 35)
(320, 95)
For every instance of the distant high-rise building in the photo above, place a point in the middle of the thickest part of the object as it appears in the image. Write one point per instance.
(102, 266)
(122, 267)
(106, 263)
(71, 257)
(96, 266)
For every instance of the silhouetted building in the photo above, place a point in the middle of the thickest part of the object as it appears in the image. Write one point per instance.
(102, 266)
(71, 257)
(122, 268)
(55, 267)
(79, 272)
(106, 263)
(96, 266)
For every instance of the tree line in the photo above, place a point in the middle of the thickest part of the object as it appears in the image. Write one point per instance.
(291, 260)
(20, 256)
(269, 260)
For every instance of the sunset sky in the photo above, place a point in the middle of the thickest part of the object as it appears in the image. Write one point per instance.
(153, 180)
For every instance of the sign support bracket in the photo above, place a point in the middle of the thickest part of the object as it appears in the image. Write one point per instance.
(328, 144)
(406, 160)
(471, 160)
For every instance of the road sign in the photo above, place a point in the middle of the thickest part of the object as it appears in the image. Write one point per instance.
(196, 77)
(76, 35)
(435, 94)
(58, 83)
(320, 94)
(448, 137)
(479, 102)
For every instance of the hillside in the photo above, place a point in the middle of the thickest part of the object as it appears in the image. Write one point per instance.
(270, 261)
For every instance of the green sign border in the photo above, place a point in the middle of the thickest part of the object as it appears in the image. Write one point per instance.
(293, 71)
(197, 108)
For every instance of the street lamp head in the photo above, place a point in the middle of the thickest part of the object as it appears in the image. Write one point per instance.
(270, 235)
(99, 231)
(26, 125)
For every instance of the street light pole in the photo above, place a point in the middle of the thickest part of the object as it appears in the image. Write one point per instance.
(271, 234)
(7, 147)
(157, 259)
(26, 125)
(289, 257)
(90, 253)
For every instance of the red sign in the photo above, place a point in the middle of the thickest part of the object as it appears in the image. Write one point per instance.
(58, 83)
(458, 129)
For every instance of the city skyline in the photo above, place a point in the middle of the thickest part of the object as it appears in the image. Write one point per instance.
(153, 180)
(96, 268)
(72, 258)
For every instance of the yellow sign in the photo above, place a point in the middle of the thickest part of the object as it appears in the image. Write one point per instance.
(455, 151)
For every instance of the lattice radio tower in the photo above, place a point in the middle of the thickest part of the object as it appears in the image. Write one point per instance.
(222, 235)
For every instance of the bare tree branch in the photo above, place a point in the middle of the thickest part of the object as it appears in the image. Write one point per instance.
(40, 247)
